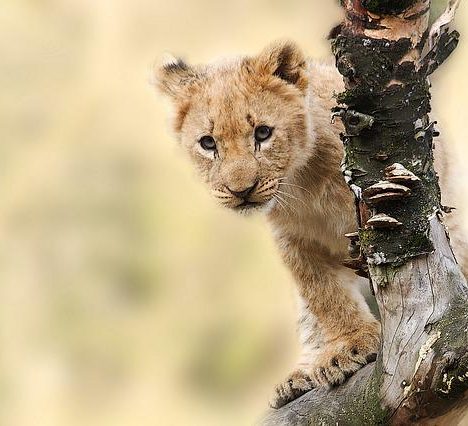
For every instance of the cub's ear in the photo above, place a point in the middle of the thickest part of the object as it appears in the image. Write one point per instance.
(174, 77)
(284, 60)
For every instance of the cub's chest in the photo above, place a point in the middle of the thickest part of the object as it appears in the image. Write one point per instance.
(325, 230)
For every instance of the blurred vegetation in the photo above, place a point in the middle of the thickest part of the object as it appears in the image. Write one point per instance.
(127, 296)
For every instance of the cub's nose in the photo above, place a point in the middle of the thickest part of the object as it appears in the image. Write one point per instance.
(244, 194)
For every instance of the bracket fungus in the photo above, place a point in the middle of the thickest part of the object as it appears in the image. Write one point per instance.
(397, 173)
(352, 236)
(385, 191)
(383, 221)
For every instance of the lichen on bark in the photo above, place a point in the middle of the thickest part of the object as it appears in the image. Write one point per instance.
(398, 99)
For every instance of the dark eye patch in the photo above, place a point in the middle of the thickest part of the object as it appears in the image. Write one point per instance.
(250, 120)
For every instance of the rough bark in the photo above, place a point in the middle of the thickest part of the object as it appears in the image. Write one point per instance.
(385, 52)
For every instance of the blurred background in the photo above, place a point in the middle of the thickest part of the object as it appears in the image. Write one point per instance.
(127, 297)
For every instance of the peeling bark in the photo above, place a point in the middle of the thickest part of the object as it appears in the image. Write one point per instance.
(385, 52)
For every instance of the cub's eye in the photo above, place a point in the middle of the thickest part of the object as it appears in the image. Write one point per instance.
(262, 133)
(207, 143)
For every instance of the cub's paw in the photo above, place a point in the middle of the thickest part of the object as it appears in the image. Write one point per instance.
(341, 360)
(298, 383)
(338, 361)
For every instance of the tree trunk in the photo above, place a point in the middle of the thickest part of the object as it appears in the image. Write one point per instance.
(385, 52)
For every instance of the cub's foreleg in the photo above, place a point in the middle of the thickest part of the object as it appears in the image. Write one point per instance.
(339, 335)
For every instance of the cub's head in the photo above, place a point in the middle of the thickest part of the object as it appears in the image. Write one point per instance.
(243, 122)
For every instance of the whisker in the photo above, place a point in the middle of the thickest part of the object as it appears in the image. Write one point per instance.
(263, 190)
(280, 203)
(295, 186)
(287, 203)
(287, 194)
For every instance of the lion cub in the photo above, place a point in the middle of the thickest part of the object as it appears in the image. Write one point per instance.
(258, 129)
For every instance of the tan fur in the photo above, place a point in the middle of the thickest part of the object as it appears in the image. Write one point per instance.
(299, 185)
